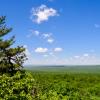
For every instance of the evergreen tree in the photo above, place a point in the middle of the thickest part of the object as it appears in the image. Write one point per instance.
(15, 83)
(11, 59)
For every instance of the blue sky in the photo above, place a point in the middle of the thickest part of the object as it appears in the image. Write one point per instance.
(55, 31)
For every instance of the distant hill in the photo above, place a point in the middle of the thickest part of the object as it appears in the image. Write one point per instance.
(65, 68)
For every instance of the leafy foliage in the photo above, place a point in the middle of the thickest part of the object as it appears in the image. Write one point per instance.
(67, 86)
(15, 83)
(11, 59)
(16, 87)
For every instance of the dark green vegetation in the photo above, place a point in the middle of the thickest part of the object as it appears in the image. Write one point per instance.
(49, 83)
(67, 83)
(15, 83)
(64, 69)
(16, 87)
(11, 59)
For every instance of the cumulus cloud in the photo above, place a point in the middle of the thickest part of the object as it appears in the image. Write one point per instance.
(50, 40)
(26, 50)
(84, 59)
(33, 33)
(48, 37)
(30, 59)
(41, 50)
(42, 13)
(49, 58)
(85, 55)
(76, 56)
(58, 49)
(36, 32)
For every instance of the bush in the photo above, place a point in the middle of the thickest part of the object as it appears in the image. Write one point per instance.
(17, 87)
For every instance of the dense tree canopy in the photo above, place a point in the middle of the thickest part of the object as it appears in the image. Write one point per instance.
(11, 59)
(15, 83)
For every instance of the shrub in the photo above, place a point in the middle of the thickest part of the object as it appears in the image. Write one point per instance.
(16, 87)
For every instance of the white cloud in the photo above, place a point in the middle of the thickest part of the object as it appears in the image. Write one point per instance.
(85, 55)
(52, 54)
(97, 25)
(46, 35)
(41, 50)
(36, 33)
(42, 13)
(27, 51)
(84, 59)
(58, 49)
(33, 33)
(29, 56)
(76, 56)
(49, 58)
(50, 40)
